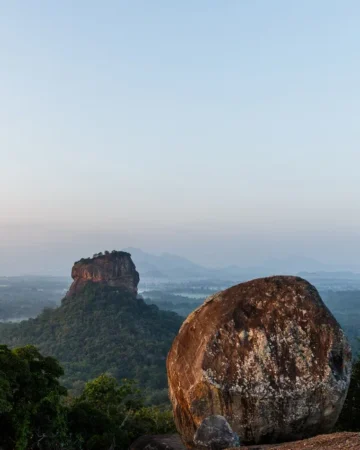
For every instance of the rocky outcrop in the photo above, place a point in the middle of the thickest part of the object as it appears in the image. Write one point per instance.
(113, 269)
(267, 356)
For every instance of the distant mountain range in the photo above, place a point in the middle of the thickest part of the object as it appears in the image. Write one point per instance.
(171, 267)
(166, 265)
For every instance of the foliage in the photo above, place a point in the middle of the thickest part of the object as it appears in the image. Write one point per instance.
(34, 415)
(102, 255)
(103, 329)
(30, 405)
(349, 419)
(345, 307)
(111, 415)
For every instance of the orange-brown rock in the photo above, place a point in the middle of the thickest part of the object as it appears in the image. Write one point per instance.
(336, 441)
(268, 356)
(113, 269)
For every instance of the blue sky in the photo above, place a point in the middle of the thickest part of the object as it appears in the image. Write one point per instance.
(225, 131)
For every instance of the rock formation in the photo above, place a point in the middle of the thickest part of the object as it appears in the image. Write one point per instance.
(268, 356)
(113, 269)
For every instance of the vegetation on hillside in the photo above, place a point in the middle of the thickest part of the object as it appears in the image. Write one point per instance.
(31, 413)
(103, 329)
(345, 305)
(349, 419)
(36, 414)
(102, 255)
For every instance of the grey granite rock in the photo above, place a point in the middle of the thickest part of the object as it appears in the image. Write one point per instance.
(215, 433)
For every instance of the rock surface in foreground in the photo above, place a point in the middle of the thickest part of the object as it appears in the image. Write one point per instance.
(266, 355)
(158, 442)
(113, 269)
(337, 441)
(215, 432)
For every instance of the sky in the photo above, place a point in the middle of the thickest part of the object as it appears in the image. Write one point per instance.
(223, 131)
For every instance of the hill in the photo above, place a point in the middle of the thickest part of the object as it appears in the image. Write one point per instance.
(101, 326)
(167, 266)
(170, 267)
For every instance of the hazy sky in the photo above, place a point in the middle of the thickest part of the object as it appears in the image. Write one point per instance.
(225, 131)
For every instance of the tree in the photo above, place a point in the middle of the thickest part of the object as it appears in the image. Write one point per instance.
(35, 415)
(349, 419)
(109, 414)
(31, 414)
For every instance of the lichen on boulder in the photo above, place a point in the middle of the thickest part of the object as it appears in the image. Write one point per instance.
(268, 356)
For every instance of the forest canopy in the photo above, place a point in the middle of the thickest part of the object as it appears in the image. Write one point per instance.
(36, 412)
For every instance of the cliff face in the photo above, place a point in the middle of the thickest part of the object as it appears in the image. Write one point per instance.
(112, 269)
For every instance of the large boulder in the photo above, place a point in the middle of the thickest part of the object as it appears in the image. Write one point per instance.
(268, 356)
(114, 269)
